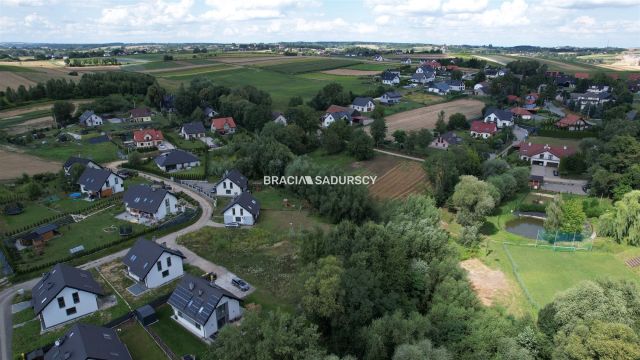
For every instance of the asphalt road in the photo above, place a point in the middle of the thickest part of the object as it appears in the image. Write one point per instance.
(224, 276)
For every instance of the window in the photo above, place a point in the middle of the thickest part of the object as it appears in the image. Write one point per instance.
(241, 212)
(115, 180)
(71, 311)
(165, 273)
(233, 211)
(107, 183)
(169, 261)
(61, 302)
(159, 265)
(198, 326)
(224, 184)
(76, 297)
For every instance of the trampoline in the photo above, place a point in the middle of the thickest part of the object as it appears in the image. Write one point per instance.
(75, 195)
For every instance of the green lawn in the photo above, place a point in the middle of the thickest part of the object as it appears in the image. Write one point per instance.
(139, 343)
(13, 68)
(179, 339)
(281, 86)
(181, 142)
(200, 71)
(310, 65)
(33, 212)
(22, 316)
(554, 141)
(103, 152)
(545, 273)
(371, 66)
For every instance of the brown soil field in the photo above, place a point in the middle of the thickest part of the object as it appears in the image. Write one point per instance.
(406, 178)
(426, 117)
(15, 164)
(350, 72)
(490, 285)
(13, 80)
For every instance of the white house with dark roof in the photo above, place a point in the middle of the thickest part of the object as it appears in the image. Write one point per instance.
(244, 209)
(63, 294)
(423, 77)
(192, 130)
(90, 119)
(147, 203)
(99, 183)
(74, 160)
(278, 118)
(153, 264)
(233, 183)
(175, 160)
(502, 118)
(389, 78)
(202, 307)
(405, 61)
(88, 342)
(390, 97)
(363, 104)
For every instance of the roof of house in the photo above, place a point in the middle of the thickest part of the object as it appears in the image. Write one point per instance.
(338, 109)
(85, 115)
(362, 101)
(236, 177)
(520, 111)
(219, 123)
(143, 255)
(77, 160)
(482, 127)
(144, 198)
(140, 112)
(39, 231)
(504, 115)
(441, 86)
(388, 76)
(393, 94)
(451, 137)
(197, 298)
(581, 75)
(419, 77)
(174, 157)
(452, 82)
(247, 201)
(569, 119)
(139, 135)
(84, 341)
(93, 179)
(276, 114)
(530, 149)
(61, 276)
(194, 127)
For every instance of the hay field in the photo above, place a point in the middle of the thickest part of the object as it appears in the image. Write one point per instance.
(15, 164)
(426, 117)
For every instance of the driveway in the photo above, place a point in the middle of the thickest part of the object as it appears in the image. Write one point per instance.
(557, 183)
(224, 275)
(554, 109)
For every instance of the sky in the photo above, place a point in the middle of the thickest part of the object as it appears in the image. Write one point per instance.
(473, 22)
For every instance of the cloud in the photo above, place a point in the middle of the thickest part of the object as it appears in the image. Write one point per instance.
(25, 2)
(150, 13)
(512, 13)
(589, 4)
(303, 25)
(403, 7)
(35, 20)
(383, 20)
(230, 10)
(464, 6)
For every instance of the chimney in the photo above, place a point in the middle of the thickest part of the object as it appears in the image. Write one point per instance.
(191, 285)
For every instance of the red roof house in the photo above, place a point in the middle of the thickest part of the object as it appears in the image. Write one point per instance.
(145, 138)
(581, 75)
(521, 112)
(483, 129)
(544, 154)
(573, 122)
(224, 125)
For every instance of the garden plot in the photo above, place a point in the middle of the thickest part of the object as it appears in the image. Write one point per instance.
(426, 117)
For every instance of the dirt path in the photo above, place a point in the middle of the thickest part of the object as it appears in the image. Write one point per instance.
(488, 284)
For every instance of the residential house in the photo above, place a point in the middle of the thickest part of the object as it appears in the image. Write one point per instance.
(521, 113)
(598, 89)
(244, 209)
(456, 85)
(192, 130)
(176, 159)
(90, 119)
(278, 118)
(209, 112)
(147, 138)
(336, 112)
(378, 58)
(445, 140)
(233, 183)
(148, 203)
(544, 154)
(202, 307)
(140, 115)
(363, 104)
(40, 235)
(422, 78)
(153, 264)
(100, 183)
(405, 61)
(389, 78)
(223, 126)
(440, 88)
(484, 130)
(73, 160)
(390, 98)
(502, 118)
(88, 342)
(588, 99)
(481, 88)
(494, 73)
(573, 122)
(63, 294)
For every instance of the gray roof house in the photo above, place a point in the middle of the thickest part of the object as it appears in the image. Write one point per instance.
(389, 78)
(390, 97)
(176, 160)
(149, 203)
(500, 117)
(279, 118)
(193, 130)
(84, 341)
(96, 183)
(244, 210)
(363, 104)
(89, 118)
(203, 307)
(73, 160)
(152, 263)
(74, 290)
(233, 183)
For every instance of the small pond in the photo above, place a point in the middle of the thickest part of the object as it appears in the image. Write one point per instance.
(524, 226)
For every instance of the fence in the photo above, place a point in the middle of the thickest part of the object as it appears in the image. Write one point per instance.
(563, 241)
(204, 188)
(514, 268)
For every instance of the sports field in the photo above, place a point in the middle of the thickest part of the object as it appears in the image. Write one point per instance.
(545, 273)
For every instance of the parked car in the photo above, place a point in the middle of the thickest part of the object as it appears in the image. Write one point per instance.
(240, 284)
(232, 225)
